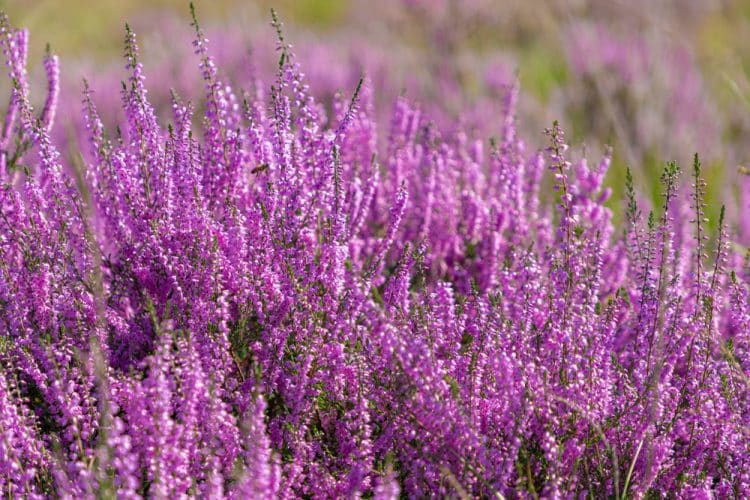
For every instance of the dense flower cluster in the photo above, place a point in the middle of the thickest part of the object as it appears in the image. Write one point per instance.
(269, 297)
(610, 76)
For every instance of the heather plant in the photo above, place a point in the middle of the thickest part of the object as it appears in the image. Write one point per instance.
(612, 75)
(262, 296)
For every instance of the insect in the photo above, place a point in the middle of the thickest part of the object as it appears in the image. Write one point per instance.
(260, 168)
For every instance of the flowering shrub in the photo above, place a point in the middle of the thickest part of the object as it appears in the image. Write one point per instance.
(267, 298)
(610, 74)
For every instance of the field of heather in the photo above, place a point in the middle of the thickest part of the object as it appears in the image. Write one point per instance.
(322, 249)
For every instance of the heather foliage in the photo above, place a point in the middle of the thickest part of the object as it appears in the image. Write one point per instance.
(268, 297)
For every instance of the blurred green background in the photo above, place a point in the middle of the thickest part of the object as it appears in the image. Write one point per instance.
(721, 38)
(95, 28)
